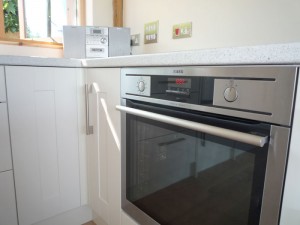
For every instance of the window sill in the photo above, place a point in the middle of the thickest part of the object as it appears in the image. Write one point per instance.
(32, 43)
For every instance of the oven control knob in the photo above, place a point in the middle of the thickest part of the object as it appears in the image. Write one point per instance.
(230, 94)
(141, 86)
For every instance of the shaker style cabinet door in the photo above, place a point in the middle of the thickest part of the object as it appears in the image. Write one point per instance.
(290, 211)
(5, 152)
(2, 85)
(126, 220)
(103, 145)
(8, 212)
(44, 137)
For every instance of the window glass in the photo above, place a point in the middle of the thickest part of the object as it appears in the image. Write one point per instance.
(180, 176)
(40, 20)
(35, 18)
(58, 17)
(45, 18)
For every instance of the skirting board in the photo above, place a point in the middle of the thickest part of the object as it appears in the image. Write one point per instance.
(76, 216)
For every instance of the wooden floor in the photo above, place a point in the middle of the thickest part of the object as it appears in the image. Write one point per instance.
(89, 223)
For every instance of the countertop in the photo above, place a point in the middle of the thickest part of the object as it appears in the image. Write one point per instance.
(264, 54)
(39, 61)
(283, 54)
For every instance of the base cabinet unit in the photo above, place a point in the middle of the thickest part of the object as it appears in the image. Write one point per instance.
(8, 213)
(103, 145)
(43, 105)
(5, 151)
(2, 85)
(126, 220)
(290, 211)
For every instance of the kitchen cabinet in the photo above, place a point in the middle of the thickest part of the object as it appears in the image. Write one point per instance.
(43, 112)
(290, 212)
(8, 214)
(126, 220)
(5, 151)
(2, 85)
(103, 146)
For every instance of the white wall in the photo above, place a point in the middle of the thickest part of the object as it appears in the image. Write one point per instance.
(99, 12)
(216, 23)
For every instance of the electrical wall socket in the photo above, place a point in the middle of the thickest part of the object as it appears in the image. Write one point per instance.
(151, 32)
(135, 40)
(183, 30)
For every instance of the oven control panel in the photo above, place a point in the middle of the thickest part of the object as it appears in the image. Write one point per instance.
(138, 85)
(244, 94)
(263, 93)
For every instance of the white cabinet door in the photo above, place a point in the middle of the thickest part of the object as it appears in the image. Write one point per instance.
(104, 145)
(44, 137)
(290, 212)
(126, 220)
(8, 213)
(5, 152)
(2, 85)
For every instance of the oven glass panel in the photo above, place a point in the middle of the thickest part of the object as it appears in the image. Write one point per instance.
(178, 176)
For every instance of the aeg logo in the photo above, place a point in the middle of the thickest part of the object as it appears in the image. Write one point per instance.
(178, 71)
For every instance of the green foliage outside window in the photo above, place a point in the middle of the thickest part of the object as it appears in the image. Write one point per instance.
(11, 20)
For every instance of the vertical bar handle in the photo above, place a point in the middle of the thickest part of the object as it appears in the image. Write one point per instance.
(93, 88)
(87, 109)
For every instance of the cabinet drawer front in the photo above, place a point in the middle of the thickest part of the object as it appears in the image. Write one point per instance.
(5, 152)
(2, 85)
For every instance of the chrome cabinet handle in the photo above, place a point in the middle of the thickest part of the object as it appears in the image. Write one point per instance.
(87, 110)
(217, 131)
(93, 88)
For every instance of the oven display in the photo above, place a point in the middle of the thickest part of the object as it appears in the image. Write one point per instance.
(179, 82)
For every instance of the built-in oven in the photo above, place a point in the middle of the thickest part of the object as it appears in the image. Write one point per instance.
(205, 145)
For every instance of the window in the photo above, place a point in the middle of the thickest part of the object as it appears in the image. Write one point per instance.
(41, 21)
(38, 20)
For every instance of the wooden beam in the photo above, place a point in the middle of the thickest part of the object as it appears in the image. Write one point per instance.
(82, 13)
(118, 13)
(2, 31)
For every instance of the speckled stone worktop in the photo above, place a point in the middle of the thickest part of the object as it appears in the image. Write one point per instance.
(283, 54)
(265, 54)
(39, 61)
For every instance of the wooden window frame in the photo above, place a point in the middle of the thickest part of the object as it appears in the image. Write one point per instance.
(117, 21)
(118, 13)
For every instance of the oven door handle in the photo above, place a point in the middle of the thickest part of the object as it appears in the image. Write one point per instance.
(217, 131)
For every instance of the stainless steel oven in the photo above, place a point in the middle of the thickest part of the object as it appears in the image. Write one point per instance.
(205, 145)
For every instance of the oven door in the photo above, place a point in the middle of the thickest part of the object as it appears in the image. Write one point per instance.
(185, 167)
